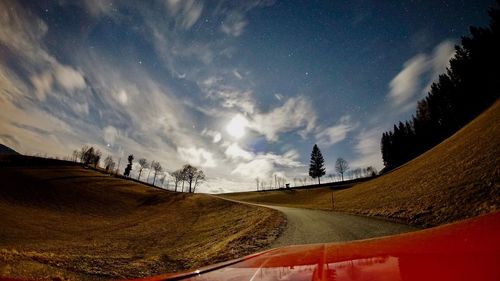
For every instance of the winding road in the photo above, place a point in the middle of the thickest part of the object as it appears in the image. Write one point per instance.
(307, 226)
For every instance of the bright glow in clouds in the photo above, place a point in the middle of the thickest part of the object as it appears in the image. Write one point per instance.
(237, 125)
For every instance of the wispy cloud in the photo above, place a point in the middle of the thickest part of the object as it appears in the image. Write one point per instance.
(264, 165)
(197, 156)
(334, 134)
(233, 24)
(367, 148)
(215, 135)
(406, 84)
(234, 151)
(186, 12)
(295, 114)
(410, 82)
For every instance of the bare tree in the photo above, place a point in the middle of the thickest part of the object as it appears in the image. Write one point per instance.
(157, 168)
(109, 163)
(178, 177)
(350, 174)
(371, 171)
(193, 176)
(341, 167)
(143, 164)
(86, 155)
(96, 157)
(75, 155)
(162, 179)
(257, 181)
(82, 154)
(89, 155)
(332, 177)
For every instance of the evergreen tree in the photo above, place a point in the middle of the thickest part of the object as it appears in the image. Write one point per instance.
(129, 166)
(317, 165)
(469, 86)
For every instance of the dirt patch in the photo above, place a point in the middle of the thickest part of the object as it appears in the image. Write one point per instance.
(458, 179)
(73, 223)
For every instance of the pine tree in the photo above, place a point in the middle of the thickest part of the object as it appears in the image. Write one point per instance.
(469, 85)
(317, 165)
(129, 166)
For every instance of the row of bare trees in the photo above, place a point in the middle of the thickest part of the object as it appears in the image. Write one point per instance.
(190, 175)
(154, 166)
(274, 182)
(87, 155)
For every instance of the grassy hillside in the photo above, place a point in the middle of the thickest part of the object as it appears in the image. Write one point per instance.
(76, 223)
(457, 179)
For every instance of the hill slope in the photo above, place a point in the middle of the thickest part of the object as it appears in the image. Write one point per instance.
(76, 223)
(458, 178)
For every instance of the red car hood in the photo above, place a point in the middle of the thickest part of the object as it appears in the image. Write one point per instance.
(467, 250)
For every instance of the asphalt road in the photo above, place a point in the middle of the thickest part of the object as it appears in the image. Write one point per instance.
(307, 226)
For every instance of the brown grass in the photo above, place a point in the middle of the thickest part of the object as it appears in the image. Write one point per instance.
(75, 223)
(457, 179)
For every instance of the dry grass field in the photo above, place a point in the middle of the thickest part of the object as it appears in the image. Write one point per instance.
(73, 223)
(457, 179)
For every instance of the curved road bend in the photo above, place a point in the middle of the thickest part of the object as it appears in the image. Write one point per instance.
(306, 226)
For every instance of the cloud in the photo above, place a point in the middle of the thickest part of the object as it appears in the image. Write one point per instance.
(367, 148)
(186, 12)
(264, 165)
(439, 61)
(441, 57)
(66, 77)
(122, 97)
(257, 168)
(233, 24)
(228, 96)
(295, 113)
(110, 134)
(197, 157)
(337, 133)
(234, 151)
(98, 8)
(21, 31)
(216, 136)
(237, 74)
(42, 84)
(407, 84)
(81, 108)
(69, 78)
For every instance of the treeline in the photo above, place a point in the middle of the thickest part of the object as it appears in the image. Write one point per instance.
(188, 175)
(469, 86)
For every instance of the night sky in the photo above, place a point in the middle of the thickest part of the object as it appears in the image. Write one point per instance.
(242, 89)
